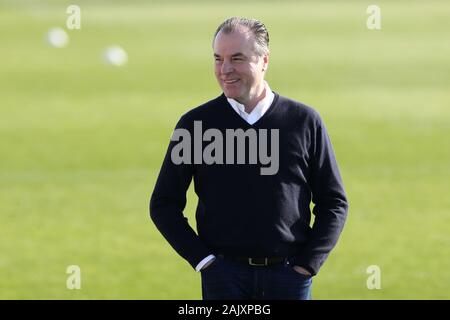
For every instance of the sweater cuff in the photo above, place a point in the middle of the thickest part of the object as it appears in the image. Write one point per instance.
(312, 264)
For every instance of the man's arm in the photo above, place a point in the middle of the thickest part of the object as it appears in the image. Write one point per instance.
(167, 204)
(330, 201)
(205, 263)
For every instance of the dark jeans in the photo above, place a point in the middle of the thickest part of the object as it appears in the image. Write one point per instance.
(231, 280)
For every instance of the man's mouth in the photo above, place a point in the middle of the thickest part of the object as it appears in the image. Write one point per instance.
(231, 81)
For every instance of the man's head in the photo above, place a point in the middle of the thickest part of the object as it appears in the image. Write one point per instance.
(241, 55)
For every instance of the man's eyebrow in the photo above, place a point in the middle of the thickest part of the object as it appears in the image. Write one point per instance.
(239, 54)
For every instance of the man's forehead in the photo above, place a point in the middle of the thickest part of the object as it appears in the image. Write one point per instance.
(239, 41)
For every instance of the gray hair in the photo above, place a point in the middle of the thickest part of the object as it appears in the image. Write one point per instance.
(257, 28)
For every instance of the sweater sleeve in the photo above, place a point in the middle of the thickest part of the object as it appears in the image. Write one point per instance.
(167, 203)
(330, 202)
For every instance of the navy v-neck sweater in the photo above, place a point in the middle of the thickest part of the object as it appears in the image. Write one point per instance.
(243, 213)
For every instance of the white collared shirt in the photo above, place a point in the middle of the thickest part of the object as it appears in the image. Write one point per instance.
(258, 111)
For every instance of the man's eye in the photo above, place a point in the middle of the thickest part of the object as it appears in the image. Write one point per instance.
(237, 59)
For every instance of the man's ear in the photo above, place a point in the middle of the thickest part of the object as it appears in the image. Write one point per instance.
(265, 62)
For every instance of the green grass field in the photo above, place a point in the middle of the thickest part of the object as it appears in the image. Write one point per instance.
(81, 142)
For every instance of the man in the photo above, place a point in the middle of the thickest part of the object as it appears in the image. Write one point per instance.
(254, 237)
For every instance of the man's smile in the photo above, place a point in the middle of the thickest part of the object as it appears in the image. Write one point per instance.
(230, 81)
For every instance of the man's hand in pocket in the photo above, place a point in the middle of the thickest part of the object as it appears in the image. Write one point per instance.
(302, 270)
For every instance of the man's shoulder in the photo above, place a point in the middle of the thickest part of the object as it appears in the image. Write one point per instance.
(205, 110)
(297, 109)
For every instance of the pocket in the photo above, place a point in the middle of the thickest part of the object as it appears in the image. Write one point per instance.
(212, 266)
(300, 275)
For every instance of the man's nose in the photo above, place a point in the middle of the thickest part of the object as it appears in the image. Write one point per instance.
(227, 67)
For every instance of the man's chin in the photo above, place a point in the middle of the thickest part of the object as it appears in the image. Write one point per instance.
(231, 95)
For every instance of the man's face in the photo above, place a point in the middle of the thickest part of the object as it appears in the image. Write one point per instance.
(238, 68)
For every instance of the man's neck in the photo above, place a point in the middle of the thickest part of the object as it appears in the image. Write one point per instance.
(261, 94)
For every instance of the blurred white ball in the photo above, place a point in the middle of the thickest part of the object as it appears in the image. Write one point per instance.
(57, 38)
(115, 55)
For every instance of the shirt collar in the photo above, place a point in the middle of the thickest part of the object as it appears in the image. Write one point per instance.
(259, 110)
